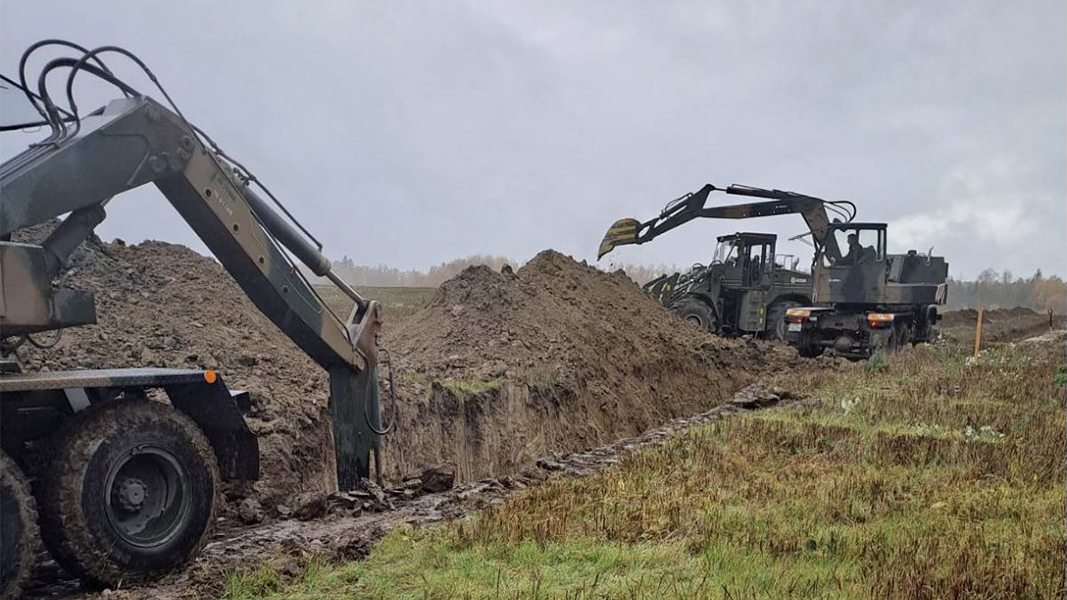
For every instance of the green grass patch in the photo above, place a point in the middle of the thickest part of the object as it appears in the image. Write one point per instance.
(398, 303)
(929, 477)
(470, 386)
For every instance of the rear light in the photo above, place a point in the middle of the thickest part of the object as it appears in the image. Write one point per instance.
(797, 315)
(880, 320)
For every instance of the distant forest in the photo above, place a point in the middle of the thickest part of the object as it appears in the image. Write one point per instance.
(386, 276)
(1002, 289)
(991, 289)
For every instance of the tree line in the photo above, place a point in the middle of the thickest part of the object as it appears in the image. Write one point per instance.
(992, 289)
(386, 276)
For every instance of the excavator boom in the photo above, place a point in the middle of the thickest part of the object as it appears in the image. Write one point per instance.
(130, 485)
(694, 206)
(136, 141)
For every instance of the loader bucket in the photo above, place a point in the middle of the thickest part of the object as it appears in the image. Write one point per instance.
(622, 232)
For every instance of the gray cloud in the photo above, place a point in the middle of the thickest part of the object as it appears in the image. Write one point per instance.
(411, 133)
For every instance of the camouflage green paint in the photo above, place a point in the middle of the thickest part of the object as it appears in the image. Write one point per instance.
(137, 141)
(740, 303)
(28, 302)
(693, 206)
(908, 286)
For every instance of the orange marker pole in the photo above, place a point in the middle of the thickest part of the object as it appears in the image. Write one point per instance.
(978, 333)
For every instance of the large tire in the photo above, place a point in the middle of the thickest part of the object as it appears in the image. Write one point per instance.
(129, 492)
(18, 529)
(698, 313)
(775, 325)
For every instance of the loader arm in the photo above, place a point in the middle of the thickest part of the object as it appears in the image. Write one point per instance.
(694, 206)
(135, 141)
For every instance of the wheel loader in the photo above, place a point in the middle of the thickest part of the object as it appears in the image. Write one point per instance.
(122, 487)
(864, 299)
(746, 288)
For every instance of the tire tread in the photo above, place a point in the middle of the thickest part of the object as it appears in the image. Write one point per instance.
(64, 527)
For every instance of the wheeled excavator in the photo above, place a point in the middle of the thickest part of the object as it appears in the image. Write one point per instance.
(124, 486)
(862, 298)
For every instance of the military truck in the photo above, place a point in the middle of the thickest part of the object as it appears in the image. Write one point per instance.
(863, 300)
(746, 288)
(868, 300)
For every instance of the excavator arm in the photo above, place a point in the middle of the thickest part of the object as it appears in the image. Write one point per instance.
(694, 206)
(135, 141)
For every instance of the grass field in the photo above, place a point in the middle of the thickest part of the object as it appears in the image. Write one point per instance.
(398, 303)
(924, 476)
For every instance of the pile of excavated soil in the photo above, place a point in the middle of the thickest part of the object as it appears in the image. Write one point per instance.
(164, 305)
(969, 316)
(998, 324)
(499, 370)
(555, 320)
(503, 367)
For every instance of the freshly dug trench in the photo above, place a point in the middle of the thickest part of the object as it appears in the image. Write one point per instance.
(340, 530)
(502, 368)
(499, 369)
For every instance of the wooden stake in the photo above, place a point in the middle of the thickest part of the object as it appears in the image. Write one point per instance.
(978, 333)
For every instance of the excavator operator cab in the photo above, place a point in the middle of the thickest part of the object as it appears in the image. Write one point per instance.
(858, 274)
(859, 243)
(747, 258)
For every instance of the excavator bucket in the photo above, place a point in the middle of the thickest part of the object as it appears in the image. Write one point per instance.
(622, 232)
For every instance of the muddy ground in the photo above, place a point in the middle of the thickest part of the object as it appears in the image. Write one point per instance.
(499, 371)
(346, 526)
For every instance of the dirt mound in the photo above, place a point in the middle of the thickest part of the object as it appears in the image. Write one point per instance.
(555, 318)
(164, 305)
(969, 316)
(503, 367)
(500, 369)
(998, 324)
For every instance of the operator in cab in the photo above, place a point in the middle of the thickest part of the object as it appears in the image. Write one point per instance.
(855, 251)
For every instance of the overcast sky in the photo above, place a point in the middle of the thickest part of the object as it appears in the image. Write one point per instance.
(412, 133)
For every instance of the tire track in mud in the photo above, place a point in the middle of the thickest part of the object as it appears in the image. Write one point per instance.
(340, 535)
(499, 369)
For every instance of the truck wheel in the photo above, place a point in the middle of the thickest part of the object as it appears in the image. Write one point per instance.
(18, 529)
(698, 313)
(775, 326)
(902, 336)
(129, 492)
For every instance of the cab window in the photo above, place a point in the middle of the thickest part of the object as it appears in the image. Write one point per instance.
(858, 246)
(726, 253)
